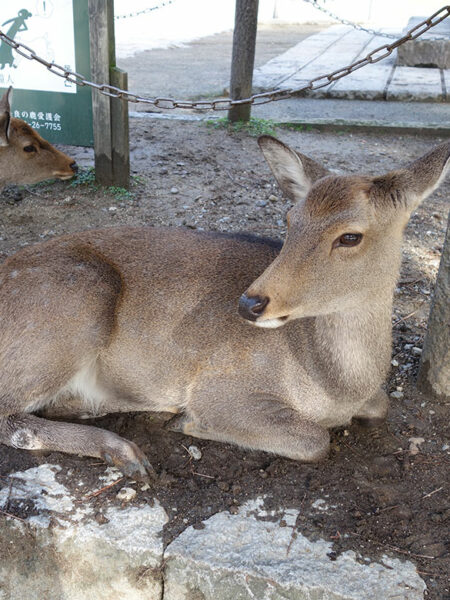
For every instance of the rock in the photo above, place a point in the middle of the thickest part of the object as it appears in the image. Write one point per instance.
(174, 190)
(126, 494)
(70, 551)
(239, 556)
(426, 51)
(397, 394)
(416, 351)
(414, 443)
(195, 452)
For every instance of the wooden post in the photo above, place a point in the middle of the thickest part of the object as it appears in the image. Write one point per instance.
(243, 58)
(434, 371)
(110, 115)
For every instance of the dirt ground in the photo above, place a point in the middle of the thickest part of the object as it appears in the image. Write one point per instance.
(386, 499)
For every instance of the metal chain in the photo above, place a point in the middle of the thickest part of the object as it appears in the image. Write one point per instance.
(355, 25)
(226, 103)
(145, 10)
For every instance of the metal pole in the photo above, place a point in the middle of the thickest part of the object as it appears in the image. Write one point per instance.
(243, 58)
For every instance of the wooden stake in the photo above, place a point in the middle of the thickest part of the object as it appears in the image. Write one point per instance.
(243, 58)
(110, 115)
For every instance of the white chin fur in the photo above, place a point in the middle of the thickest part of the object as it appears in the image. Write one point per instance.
(270, 323)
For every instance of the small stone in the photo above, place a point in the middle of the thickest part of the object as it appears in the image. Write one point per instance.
(408, 346)
(394, 362)
(126, 494)
(145, 487)
(445, 447)
(174, 190)
(261, 203)
(112, 209)
(195, 452)
(414, 443)
(416, 351)
(164, 171)
(101, 519)
(273, 198)
(397, 395)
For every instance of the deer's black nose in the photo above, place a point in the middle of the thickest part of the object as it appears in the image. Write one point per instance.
(251, 307)
(74, 167)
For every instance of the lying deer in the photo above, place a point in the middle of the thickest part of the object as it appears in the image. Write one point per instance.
(142, 319)
(25, 157)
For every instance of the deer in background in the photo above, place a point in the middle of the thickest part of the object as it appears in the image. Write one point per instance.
(143, 319)
(25, 157)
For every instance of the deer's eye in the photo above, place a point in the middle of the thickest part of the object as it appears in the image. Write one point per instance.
(348, 240)
(29, 148)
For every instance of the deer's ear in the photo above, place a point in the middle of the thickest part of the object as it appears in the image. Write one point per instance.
(294, 172)
(413, 184)
(5, 117)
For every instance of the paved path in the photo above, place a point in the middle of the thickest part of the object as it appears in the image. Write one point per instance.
(339, 46)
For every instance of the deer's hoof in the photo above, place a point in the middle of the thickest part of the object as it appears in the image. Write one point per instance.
(131, 461)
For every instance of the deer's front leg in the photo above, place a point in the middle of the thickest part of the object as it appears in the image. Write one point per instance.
(373, 412)
(29, 432)
(261, 422)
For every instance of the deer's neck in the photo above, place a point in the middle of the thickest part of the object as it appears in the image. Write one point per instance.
(353, 348)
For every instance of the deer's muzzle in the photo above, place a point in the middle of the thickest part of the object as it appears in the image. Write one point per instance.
(252, 307)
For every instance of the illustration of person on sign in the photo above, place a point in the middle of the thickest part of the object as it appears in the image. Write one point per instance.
(18, 24)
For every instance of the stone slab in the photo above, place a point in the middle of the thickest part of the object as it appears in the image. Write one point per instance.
(339, 46)
(275, 71)
(413, 83)
(342, 53)
(369, 82)
(249, 556)
(61, 552)
(432, 49)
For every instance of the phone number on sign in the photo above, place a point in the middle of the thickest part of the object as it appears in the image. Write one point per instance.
(51, 126)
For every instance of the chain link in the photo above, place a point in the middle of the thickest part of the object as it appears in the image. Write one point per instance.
(145, 10)
(227, 103)
(355, 25)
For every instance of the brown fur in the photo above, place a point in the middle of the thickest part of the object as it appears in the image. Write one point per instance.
(129, 319)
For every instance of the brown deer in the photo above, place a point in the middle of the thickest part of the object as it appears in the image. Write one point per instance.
(143, 319)
(25, 157)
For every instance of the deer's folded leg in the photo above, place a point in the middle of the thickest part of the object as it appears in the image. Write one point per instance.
(29, 432)
(260, 422)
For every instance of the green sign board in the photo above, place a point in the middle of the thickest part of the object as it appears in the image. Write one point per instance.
(58, 31)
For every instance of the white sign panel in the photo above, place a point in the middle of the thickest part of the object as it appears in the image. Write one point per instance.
(46, 26)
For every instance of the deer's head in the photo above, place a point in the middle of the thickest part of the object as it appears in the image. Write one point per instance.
(342, 248)
(25, 157)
